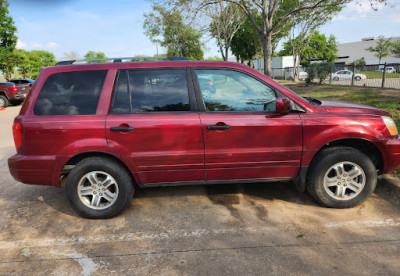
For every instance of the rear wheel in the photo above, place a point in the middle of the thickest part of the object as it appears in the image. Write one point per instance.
(358, 78)
(3, 101)
(341, 177)
(336, 78)
(99, 188)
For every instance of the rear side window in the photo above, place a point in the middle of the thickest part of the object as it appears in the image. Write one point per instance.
(138, 91)
(70, 93)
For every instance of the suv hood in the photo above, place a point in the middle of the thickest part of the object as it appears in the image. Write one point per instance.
(346, 107)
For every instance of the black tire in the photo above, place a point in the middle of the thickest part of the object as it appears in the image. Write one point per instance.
(3, 101)
(121, 188)
(358, 78)
(342, 191)
(336, 78)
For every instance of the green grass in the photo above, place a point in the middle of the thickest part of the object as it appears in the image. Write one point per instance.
(379, 75)
(386, 99)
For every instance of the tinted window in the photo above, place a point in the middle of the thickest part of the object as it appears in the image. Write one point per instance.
(138, 91)
(70, 93)
(225, 90)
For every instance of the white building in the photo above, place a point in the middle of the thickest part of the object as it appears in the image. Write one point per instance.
(348, 52)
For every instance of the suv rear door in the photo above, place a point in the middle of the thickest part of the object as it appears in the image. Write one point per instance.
(151, 124)
(245, 139)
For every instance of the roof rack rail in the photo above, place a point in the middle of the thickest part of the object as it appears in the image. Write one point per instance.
(80, 61)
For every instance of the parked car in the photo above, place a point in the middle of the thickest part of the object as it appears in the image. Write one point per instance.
(347, 75)
(23, 85)
(102, 130)
(9, 94)
(389, 69)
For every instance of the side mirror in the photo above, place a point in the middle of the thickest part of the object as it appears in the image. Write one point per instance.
(282, 105)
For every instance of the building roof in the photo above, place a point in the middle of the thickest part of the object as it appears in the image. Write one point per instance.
(357, 50)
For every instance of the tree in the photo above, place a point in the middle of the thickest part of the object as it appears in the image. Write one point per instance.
(8, 39)
(47, 58)
(226, 20)
(382, 48)
(357, 62)
(395, 50)
(95, 55)
(246, 43)
(319, 70)
(305, 25)
(318, 47)
(70, 56)
(168, 29)
(276, 15)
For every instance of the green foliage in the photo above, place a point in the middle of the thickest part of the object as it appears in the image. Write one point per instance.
(8, 39)
(28, 64)
(382, 48)
(319, 71)
(246, 43)
(47, 58)
(167, 28)
(215, 58)
(318, 47)
(357, 62)
(395, 49)
(95, 55)
(70, 56)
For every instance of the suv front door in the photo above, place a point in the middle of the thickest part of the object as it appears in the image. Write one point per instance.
(245, 139)
(151, 124)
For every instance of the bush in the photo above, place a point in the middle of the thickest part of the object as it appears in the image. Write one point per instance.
(319, 71)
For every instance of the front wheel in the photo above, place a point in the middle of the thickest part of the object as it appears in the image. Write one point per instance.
(336, 78)
(99, 188)
(341, 177)
(358, 78)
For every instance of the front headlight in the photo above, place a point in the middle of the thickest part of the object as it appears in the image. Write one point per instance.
(391, 126)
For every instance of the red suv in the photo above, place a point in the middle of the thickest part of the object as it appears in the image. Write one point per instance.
(101, 129)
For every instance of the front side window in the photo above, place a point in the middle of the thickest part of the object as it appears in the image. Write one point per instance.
(225, 90)
(70, 93)
(161, 90)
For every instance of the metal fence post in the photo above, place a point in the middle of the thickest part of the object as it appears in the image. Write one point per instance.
(352, 76)
(384, 75)
(330, 75)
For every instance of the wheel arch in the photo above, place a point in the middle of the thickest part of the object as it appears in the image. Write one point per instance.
(363, 145)
(3, 93)
(83, 155)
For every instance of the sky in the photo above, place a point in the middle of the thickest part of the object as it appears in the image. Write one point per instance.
(116, 27)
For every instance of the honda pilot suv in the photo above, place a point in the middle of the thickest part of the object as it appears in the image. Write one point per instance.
(104, 129)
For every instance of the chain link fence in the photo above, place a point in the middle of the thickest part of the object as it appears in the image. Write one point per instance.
(379, 75)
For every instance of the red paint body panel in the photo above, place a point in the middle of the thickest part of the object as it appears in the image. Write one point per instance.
(164, 144)
(178, 148)
(261, 140)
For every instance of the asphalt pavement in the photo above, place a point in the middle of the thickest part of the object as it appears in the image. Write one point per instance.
(244, 229)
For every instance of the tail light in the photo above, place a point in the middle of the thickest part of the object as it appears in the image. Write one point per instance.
(17, 134)
(14, 89)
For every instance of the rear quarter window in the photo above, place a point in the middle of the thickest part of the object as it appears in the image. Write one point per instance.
(70, 93)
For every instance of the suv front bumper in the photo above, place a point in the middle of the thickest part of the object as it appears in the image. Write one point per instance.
(390, 149)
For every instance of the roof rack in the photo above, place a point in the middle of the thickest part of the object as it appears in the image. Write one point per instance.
(82, 61)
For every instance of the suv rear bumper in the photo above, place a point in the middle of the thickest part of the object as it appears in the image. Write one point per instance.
(37, 170)
(19, 96)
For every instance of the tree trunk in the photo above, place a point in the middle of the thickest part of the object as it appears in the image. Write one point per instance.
(267, 49)
(226, 53)
(295, 68)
